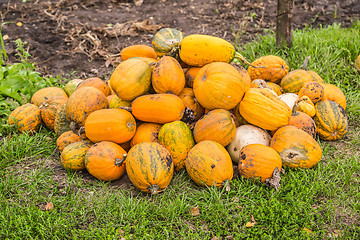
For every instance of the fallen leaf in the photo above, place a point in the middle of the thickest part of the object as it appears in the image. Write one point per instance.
(249, 224)
(308, 231)
(19, 24)
(195, 211)
(49, 206)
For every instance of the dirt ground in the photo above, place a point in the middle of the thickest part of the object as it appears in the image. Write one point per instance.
(83, 38)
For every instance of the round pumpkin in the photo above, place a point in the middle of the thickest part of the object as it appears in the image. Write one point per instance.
(295, 80)
(150, 167)
(26, 117)
(334, 93)
(73, 155)
(105, 161)
(296, 147)
(304, 122)
(41, 95)
(314, 90)
(96, 83)
(115, 125)
(208, 163)
(66, 138)
(139, 50)
(190, 76)
(166, 41)
(270, 68)
(220, 85)
(146, 132)
(49, 109)
(258, 161)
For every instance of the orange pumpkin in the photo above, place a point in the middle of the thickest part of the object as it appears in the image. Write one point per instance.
(270, 68)
(49, 109)
(190, 76)
(96, 83)
(67, 138)
(316, 77)
(258, 161)
(61, 124)
(115, 125)
(195, 110)
(27, 118)
(304, 122)
(146, 132)
(105, 161)
(295, 80)
(304, 104)
(73, 155)
(357, 63)
(39, 96)
(314, 90)
(334, 93)
(137, 51)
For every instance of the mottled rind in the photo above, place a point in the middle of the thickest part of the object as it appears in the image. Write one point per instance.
(97, 83)
(73, 156)
(146, 132)
(27, 118)
(66, 139)
(166, 41)
(293, 81)
(41, 95)
(49, 108)
(270, 68)
(61, 124)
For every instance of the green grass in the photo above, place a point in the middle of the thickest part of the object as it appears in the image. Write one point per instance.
(324, 199)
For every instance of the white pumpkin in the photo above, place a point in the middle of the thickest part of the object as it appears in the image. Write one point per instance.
(289, 99)
(245, 135)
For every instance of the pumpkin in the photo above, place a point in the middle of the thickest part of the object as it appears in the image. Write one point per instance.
(67, 138)
(304, 104)
(26, 118)
(49, 109)
(357, 63)
(190, 76)
(117, 102)
(168, 76)
(177, 138)
(270, 68)
(261, 108)
(208, 163)
(158, 108)
(296, 147)
(150, 61)
(96, 83)
(334, 93)
(131, 78)
(137, 51)
(39, 96)
(82, 102)
(239, 120)
(220, 85)
(245, 135)
(105, 161)
(61, 124)
(304, 122)
(295, 80)
(258, 161)
(316, 77)
(115, 125)
(217, 125)
(150, 167)
(314, 90)
(166, 41)
(275, 87)
(193, 109)
(331, 120)
(146, 132)
(289, 99)
(73, 155)
(70, 86)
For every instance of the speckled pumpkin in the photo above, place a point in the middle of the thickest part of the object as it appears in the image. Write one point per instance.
(195, 109)
(96, 83)
(316, 77)
(138, 50)
(166, 41)
(270, 68)
(73, 155)
(66, 139)
(39, 96)
(217, 125)
(314, 90)
(117, 102)
(49, 109)
(178, 140)
(150, 167)
(295, 80)
(334, 93)
(220, 85)
(190, 76)
(305, 105)
(296, 147)
(70, 86)
(331, 120)
(208, 163)
(115, 125)
(275, 87)
(258, 161)
(27, 118)
(105, 161)
(304, 122)
(61, 124)
(146, 132)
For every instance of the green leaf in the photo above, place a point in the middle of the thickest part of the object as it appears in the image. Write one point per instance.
(7, 91)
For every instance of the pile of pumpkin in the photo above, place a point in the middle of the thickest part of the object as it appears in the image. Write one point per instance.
(182, 103)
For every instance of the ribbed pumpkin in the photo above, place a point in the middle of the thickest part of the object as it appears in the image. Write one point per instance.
(49, 109)
(150, 167)
(66, 139)
(96, 83)
(139, 50)
(190, 76)
(105, 161)
(314, 90)
(117, 102)
(158, 108)
(217, 125)
(131, 78)
(331, 120)
(168, 76)
(275, 87)
(115, 125)
(305, 105)
(258, 161)
(178, 140)
(146, 132)
(220, 85)
(304, 122)
(295, 80)
(70, 86)
(270, 68)
(296, 147)
(208, 163)
(39, 96)
(334, 93)
(167, 41)
(195, 109)
(73, 155)
(26, 117)
(61, 124)
(82, 102)
(261, 108)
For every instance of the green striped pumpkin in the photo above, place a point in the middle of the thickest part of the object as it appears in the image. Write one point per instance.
(293, 81)
(167, 40)
(331, 120)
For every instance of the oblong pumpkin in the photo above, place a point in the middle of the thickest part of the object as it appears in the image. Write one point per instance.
(39, 96)
(334, 93)
(150, 167)
(296, 147)
(331, 120)
(177, 138)
(295, 80)
(258, 161)
(138, 50)
(220, 85)
(73, 155)
(105, 161)
(158, 108)
(66, 139)
(270, 68)
(217, 125)
(146, 132)
(262, 108)
(26, 117)
(115, 125)
(96, 83)
(208, 163)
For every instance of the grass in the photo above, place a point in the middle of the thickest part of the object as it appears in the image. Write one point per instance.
(318, 203)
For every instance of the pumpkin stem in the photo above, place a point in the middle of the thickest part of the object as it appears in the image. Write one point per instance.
(126, 108)
(153, 189)
(243, 59)
(73, 126)
(81, 131)
(306, 61)
(120, 161)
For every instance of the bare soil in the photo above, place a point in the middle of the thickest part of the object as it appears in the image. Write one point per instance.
(83, 38)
